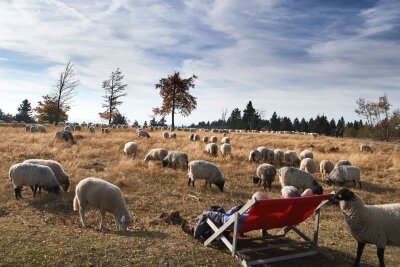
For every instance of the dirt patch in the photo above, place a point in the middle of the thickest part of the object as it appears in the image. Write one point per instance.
(97, 166)
(4, 213)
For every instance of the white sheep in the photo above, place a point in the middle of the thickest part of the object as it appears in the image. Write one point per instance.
(205, 139)
(343, 162)
(196, 137)
(33, 129)
(91, 129)
(225, 140)
(56, 168)
(33, 175)
(365, 148)
(155, 154)
(373, 224)
(77, 128)
(143, 133)
(226, 149)
(279, 156)
(131, 148)
(343, 174)
(201, 169)
(299, 179)
(211, 149)
(265, 175)
(291, 157)
(308, 164)
(255, 155)
(306, 154)
(165, 135)
(213, 139)
(97, 193)
(65, 135)
(41, 128)
(176, 159)
(325, 167)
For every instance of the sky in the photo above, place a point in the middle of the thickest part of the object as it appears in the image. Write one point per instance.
(298, 58)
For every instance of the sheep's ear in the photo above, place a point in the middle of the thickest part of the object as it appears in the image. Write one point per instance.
(123, 219)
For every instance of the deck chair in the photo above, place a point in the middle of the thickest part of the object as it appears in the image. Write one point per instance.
(270, 214)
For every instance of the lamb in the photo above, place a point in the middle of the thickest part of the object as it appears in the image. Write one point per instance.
(176, 158)
(255, 155)
(299, 179)
(265, 174)
(143, 133)
(213, 139)
(325, 167)
(155, 154)
(201, 169)
(308, 164)
(32, 175)
(374, 224)
(56, 168)
(365, 148)
(343, 174)
(65, 135)
(211, 149)
(225, 140)
(165, 135)
(131, 148)
(279, 156)
(205, 139)
(306, 154)
(291, 157)
(343, 162)
(225, 149)
(101, 194)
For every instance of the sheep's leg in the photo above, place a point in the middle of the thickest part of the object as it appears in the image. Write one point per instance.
(16, 191)
(193, 183)
(82, 213)
(20, 191)
(102, 214)
(188, 181)
(381, 252)
(360, 248)
(205, 185)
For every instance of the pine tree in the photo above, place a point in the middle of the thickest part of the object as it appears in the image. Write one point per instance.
(24, 112)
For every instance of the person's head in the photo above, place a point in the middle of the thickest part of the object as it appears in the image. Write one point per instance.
(307, 192)
(289, 191)
(260, 195)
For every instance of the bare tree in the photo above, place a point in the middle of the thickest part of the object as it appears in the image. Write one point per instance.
(64, 90)
(224, 113)
(114, 89)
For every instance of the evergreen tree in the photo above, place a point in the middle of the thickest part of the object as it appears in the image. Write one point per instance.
(304, 126)
(119, 119)
(286, 124)
(250, 118)
(145, 124)
(136, 123)
(153, 122)
(162, 122)
(24, 112)
(235, 119)
(296, 124)
(275, 122)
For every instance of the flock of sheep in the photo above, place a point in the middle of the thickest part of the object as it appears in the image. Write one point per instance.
(379, 223)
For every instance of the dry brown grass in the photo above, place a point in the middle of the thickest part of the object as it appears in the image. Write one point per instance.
(46, 231)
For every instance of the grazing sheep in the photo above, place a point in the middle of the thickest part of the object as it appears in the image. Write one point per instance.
(279, 156)
(143, 133)
(225, 149)
(176, 159)
(205, 139)
(68, 128)
(105, 130)
(172, 135)
(325, 167)
(201, 169)
(33, 175)
(155, 154)
(165, 135)
(213, 139)
(265, 175)
(225, 140)
(299, 179)
(308, 164)
(289, 191)
(91, 129)
(373, 224)
(365, 148)
(33, 129)
(255, 155)
(77, 128)
(196, 137)
(56, 168)
(211, 149)
(131, 148)
(306, 154)
(65, 135)
(105, 196)
(343, 162)
(343, 174)
(291, 157)
(41, 128)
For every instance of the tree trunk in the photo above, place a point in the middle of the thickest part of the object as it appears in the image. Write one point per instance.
(173, 109)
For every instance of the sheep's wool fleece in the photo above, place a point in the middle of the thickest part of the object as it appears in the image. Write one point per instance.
(201, 169)
(375, 224)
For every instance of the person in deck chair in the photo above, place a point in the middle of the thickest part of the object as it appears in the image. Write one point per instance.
(219, 217)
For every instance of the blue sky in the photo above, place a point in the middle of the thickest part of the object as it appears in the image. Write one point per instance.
(299, 58)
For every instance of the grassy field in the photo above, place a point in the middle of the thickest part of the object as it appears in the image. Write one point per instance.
(46, 231)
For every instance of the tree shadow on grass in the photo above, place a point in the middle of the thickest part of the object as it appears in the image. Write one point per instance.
(376, 188)
(141, 234)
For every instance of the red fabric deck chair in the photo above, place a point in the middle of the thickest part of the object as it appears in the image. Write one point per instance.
(270, 214)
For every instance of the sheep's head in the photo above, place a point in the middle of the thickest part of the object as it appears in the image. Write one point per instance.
(220, 185)
(256, 179)
(124, 221)
(317, 188)
(165, 162)
(66, 185)
(344, 194)
(53, 189)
